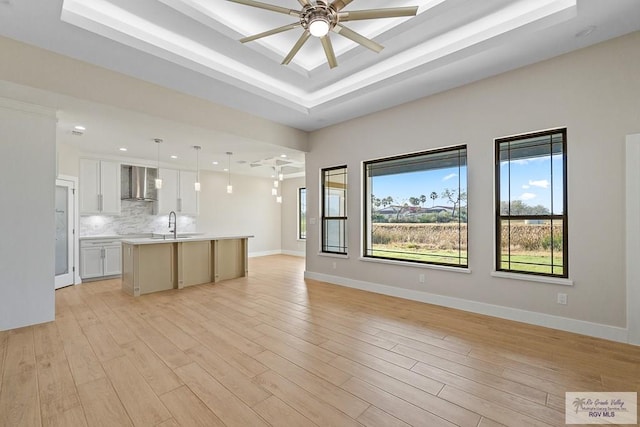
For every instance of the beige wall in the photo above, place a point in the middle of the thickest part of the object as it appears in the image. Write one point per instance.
(290, 243)
(594, 92)
(67, 160)
(38, 68)
(249, 210)
(27, 173)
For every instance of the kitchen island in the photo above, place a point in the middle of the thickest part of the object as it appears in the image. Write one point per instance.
(159, 264)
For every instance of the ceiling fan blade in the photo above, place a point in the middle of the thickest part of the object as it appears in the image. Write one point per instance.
(266, 6)
(338, 5)
(270, 32)
(304, 2)
(394, 12)
(358, 38)
(302, 40)
(328, 50)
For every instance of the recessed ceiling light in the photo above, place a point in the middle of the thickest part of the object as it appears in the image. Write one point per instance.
(226, 170)
(283, 155)
(80, 128)
(123, 149)
(215, 163)
(174, 157)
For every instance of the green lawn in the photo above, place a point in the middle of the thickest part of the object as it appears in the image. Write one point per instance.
(530, 262)
(436, 256)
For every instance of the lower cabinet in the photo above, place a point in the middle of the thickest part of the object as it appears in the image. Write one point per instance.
(100, 258)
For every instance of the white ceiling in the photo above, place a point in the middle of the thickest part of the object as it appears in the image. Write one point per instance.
(191, 46)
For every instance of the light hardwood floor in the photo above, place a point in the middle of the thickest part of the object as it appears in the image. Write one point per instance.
(272, 349)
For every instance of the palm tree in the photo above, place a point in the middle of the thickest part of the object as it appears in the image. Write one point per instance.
(433, 197)
(578, 403)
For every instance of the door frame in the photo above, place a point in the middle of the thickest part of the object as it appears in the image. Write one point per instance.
(72, 181)
(633, 236)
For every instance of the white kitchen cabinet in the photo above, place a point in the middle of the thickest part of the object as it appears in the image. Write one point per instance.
(99, 187)
(100, 258)
(177, 193)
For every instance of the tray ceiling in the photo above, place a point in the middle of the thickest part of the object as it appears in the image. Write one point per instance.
(192, 46)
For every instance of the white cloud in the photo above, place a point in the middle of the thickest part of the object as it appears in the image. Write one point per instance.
(448, 177)
(543, 183)
(526, 187)
(527, 196)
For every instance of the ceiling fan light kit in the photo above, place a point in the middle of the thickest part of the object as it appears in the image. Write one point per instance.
(318, 18)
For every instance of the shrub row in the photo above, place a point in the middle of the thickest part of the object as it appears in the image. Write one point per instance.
(529, 237)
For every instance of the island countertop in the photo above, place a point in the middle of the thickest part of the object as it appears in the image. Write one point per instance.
(181, 239)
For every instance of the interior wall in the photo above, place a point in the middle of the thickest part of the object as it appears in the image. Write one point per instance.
(42, 69)
(27, 171)
(291, 245)
(67, 160)
(595, 93)
(250, 210)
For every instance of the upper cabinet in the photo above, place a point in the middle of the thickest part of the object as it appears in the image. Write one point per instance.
(99, 187)
(177, 193)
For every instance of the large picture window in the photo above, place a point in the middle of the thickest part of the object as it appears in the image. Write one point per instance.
(334, 210)
(302, 213)
(416, 207)
(531, 203)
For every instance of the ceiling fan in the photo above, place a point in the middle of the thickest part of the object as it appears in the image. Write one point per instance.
(319, 17)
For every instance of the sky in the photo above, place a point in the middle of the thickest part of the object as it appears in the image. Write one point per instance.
(530, 183)
(415, 184)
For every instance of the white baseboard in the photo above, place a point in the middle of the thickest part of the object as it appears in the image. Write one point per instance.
(597, 330)
(294, 253)
(264, 253)
(276, 252)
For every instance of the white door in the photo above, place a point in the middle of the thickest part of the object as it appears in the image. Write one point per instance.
(64, 213)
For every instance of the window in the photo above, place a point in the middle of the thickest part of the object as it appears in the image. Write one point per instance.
(416, 207)
(334, 210)
(531, 203)
(302, 213)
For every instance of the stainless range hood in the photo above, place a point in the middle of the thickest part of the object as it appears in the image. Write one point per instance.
(138, 183)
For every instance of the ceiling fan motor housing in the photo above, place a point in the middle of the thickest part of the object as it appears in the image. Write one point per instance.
(319, 13)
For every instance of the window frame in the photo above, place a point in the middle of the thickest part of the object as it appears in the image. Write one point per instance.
(302, 230)
(499, 218)
(323, 237)
(366, 208)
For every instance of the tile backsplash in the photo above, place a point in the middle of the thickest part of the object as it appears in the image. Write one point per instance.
(135, 218)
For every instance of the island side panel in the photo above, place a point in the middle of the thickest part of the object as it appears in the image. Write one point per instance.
(194, 263)
(156, 267)
(127, 269)
(231, 257)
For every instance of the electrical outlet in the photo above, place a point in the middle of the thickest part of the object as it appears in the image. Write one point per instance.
(334, 265)
(562, 299)
(421, 278)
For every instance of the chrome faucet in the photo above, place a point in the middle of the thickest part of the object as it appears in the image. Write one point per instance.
(175, 227)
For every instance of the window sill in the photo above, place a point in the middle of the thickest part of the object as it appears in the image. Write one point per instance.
(532, 278)
(330, 255)
(465, 270)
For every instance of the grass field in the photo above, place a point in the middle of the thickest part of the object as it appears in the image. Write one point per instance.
(447, 244)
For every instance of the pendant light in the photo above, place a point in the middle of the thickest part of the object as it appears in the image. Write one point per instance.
(196, 185)
(158, 141)
(229, 186)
